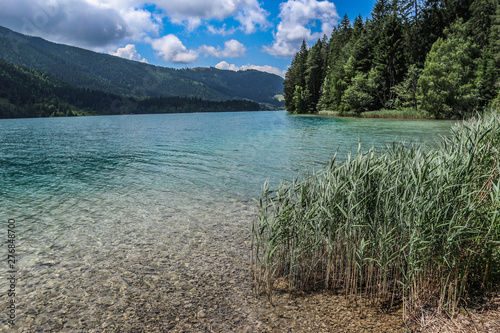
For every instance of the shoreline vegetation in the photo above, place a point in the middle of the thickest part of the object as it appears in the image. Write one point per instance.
(407, 227)
(386, 114)
(438, 58)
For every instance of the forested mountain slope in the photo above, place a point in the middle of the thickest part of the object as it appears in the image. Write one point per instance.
(32, 93)
(119, 76)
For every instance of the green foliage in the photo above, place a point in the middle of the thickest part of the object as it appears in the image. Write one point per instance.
(495, 104)
(296, 76)
(401, 114)
(378, 63)
(406, 91)
(448, 81)
(489, 84)
(358, 96)
(301, 99)
(315, 72)
(389, 61)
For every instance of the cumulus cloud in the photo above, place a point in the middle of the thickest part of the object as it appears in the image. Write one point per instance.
(129, 52)
(251, 16)
(141, 23)
(171, 49)
(232, 49)
(75, 22)
(191, 13)
(268, 69)
(107, 25)
(298, 17)
(223, 31)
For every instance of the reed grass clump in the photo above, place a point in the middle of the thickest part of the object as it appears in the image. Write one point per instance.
(410, 225)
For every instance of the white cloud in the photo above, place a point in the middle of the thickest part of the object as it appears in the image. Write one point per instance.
(268, 69)
(298, 18)
(232, 49)
(191, 13)
(104, 25)
(226, 66)
(251, 16)
(223, 31)
(129, 52)
(141, 23)
(75, 22)
(172, 50)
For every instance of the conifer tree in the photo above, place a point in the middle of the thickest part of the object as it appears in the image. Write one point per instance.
(289, 85)
(442, 56)
(296, 76)
(334, 83)
(315, 73)
(495, 54)
(389, 57)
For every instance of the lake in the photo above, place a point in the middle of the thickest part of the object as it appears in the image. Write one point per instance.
(127, 221)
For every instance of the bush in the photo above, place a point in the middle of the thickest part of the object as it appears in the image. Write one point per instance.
(447, 86)
(358, 96)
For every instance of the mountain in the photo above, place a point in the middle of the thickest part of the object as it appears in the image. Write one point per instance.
(32, 93)
(114, 75)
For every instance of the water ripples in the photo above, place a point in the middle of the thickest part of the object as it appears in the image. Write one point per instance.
(100, 201)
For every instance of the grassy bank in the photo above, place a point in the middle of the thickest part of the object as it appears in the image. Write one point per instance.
(398, 114)
(410, 225)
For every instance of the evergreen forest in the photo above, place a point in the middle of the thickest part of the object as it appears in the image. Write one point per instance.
(435, 58)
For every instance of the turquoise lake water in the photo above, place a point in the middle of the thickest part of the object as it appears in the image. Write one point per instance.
(105, 191)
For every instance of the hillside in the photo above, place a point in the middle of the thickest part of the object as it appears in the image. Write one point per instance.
(87, 69)
(32, 93)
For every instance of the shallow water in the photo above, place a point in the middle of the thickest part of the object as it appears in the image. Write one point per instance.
(122, 218)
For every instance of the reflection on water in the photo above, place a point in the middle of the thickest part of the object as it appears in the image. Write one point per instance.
(113, 212)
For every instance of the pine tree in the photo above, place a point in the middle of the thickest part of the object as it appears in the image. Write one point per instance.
(301, 64)
(363, 47)
(339, 51)
(390, 64)
(295, 76)
(482, 12)
(411, 16)
(289, 85)
(315, 73)
(494, 46)
(345, 30)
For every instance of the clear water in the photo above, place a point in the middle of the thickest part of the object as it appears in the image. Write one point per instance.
(93, 196)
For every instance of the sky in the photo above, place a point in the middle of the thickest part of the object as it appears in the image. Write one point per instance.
(226, 34)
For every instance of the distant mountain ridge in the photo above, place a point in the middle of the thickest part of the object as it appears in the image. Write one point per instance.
(111, 74)
(29, 93)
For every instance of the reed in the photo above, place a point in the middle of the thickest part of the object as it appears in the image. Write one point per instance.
(408, 225)
(403, 114)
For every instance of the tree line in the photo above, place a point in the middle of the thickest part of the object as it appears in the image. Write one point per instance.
(440, 58)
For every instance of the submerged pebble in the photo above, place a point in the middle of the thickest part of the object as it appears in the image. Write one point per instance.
(152, 275)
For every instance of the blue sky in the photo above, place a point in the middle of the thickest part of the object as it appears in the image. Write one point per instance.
(227, 34)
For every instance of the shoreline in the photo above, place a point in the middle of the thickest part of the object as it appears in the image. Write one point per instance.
(378, 114)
